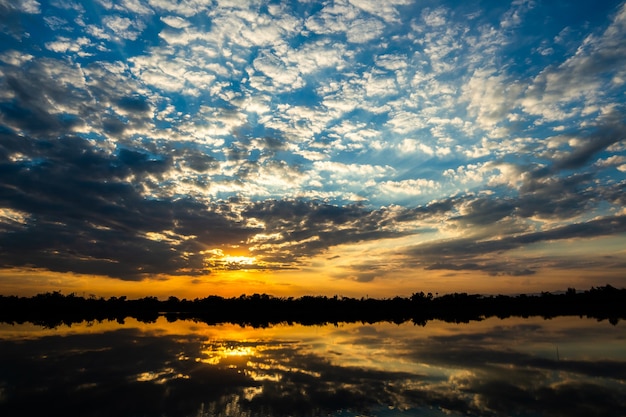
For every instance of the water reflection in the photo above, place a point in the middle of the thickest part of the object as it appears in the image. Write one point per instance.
(517, 367)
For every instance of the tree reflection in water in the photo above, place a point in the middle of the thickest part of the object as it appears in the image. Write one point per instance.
(494, 367)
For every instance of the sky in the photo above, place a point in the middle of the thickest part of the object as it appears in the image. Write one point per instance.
(354, 147)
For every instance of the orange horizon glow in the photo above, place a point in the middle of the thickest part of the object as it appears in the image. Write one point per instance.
(297, 283)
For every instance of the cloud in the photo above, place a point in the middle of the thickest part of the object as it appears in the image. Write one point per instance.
(583, 76)
(513, 16)
(305, 229)
(274, 68)
(63, 45)
(25, 6)
(387, 11)
(355, 105)
(408, 187)
(123, 27)
(28, 112)
(135, 7)
(186, 8)
(89, 213)
(15, 58)
(364, 30)
(491, 96)
(470, 253)
(175, 22)
(607, 134)
(105, 220)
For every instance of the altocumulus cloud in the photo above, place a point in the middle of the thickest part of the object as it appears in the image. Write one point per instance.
(146, 138)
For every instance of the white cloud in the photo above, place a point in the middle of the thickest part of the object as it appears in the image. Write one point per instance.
(408, 187)
(15, 58)
(386, 10)
(379, 86)
(435, 18)
(344, 18)
(185, 8)
(135, 7)
(392, 62)
(491, 97)
(98, 32)
(470, 174)
(175, 22)
(57, 23)
(159, 70)
(582, 77)
(339, 170)
(63, 45)
(333, 18)
(124, 27)
(612, 161)
(281, 76)
(26, 6)
(315, 56)
(513, 17)
(504, 174)
(404, 122)
(364, 30)
(408, 146)
(443, 151)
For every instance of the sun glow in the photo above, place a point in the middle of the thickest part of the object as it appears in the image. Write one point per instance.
(240, 260)
(217, 259)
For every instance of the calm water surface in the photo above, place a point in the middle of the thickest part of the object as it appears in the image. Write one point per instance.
(514, 367)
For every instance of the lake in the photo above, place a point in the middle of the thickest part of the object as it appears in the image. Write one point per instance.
(565, 366)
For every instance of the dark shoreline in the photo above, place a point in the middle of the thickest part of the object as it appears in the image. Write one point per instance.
(260, 310)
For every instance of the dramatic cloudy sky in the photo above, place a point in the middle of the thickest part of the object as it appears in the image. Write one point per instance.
(356, 147)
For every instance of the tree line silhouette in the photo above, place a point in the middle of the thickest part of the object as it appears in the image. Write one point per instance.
(53, 309)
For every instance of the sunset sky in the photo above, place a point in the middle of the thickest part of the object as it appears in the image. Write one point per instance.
(360, 148)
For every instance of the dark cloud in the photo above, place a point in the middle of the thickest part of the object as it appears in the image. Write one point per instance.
(609, 129)
(310, 227)
(196, 159)
(113, 126)
(485, 211)
(480, 254)
(556, 197)
(40, 89)
(134, 104)
(364, 272)
(490, 266)
(90, 210)
(143, 162)
(272, 143)
(51, 97)
(236, 153)
(85, 215)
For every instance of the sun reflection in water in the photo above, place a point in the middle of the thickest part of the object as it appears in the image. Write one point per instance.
(160, 377)
(214, 354)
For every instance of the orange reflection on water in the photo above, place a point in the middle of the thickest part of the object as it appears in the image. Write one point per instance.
(220, 353)
(230, 370)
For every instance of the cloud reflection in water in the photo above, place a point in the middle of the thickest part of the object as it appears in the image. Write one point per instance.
(511, 367)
